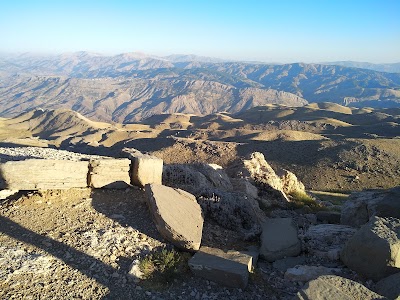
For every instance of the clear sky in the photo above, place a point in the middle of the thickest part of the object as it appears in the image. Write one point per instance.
(262, 30)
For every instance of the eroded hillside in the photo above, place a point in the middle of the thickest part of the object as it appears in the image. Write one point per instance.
(330, 147)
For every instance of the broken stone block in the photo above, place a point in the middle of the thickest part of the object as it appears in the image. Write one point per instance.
(44, 174)
(176, 214)
(146, 169)
(109, 173)
(229, 268)
(279, 239)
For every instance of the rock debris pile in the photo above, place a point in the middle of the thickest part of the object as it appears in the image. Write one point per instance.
(246, 236)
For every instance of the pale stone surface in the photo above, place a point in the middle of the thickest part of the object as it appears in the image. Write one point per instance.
(362, 206)
(278, 183)
(109, 173)
(279, 239)
(374, 250)
(327, 240)
(147, 169)
(389, 286)
(229, 268)
(335, 288)
(257, 168)
(290, 183)
(4, 194)
(134, 270)
(177, 215)
(244, 186)
(306, 273)
(44, 174)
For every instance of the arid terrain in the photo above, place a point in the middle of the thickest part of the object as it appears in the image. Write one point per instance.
(82, 243)
(330, 147)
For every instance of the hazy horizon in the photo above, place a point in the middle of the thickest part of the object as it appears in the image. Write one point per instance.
(271, 32)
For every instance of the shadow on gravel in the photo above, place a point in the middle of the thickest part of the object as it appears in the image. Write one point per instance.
(81, 261)
(127, 207)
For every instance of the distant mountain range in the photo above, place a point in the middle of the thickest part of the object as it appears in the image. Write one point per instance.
(391, 68)
(132, 86)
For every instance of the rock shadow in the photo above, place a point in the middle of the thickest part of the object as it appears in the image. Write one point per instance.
(78, 259)
(128, 207)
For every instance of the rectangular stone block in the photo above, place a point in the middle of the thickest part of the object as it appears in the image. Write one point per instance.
(146, 169)
(44, 174)
(229, 268)
(110, 173)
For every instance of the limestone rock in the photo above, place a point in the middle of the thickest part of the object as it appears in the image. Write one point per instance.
(197, 178)
(216, 175)
(389, 286)
(234, 211)
(109, 173)
(362, 206)
(44, 174)
(134, 270)
(374, 250)
(146, 169)
(257, 168)
(4, 194)
(229, 268)
(279, 239)
(335, 288)
(278, 183)
(288, 262)
(290, 183)
(242, 185)
(307, 273)
(212, 187)
(177, 215)
(327, 240)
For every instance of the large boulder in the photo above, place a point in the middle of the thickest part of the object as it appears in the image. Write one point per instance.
(257, 168)
(374, 250)
(279, 239)
(230, 268)
(243, 185)
(213, 189)
(109, 173)
(327, 240)
(362, 206)
(335, 288)
(277, 184)
(146, 169)
(44, 174)
(290, 182)
(199, 179)
(234, 211)
(176, 214)
(389, 286)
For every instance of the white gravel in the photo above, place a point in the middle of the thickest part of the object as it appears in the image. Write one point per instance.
(22, 153)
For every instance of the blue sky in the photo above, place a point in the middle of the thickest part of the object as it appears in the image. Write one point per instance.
(271, 31)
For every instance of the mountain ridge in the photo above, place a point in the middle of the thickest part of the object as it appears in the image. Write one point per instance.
(132, 86)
